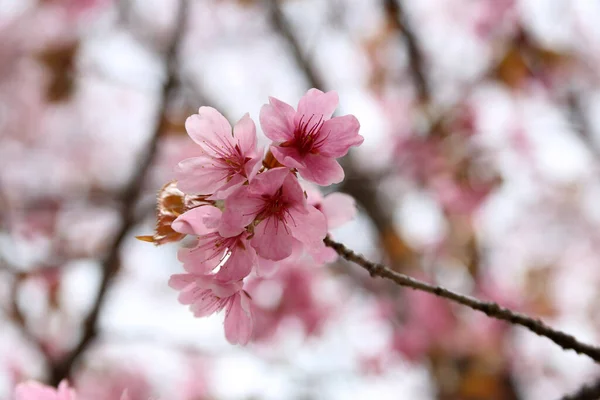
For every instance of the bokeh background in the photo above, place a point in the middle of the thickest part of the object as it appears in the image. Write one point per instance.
(479, 171)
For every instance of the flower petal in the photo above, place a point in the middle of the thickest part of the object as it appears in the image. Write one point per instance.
(308, 227)
(238, 320)
(288, 156)
(239, 264)
(198, 221)
(201, 175)
(322, 170)
(342, 133)
(315, 102)
(240, 210)
(272, 240)
(338, 208)
(208, 126)
(277, 120)
(245, 133)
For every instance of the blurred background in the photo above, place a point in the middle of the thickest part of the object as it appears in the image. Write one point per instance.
(479, 171)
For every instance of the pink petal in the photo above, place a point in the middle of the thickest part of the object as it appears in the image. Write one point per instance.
(269, 182)
(181, 281)
(253, 165)
(315, 102)
(288, 156)
(313, 194)
(293, 194)
(238, 320)
(208, 304)
(229, 187)
(198, 261)
(338, 208)
(239, 264)
(200, 175)
(208, 125)
(321, 253)
(240, 211)
(308, 227)
(34, 391)
(277, 120)
(342, 133)
(245, 133)
(322, 170)
(198, 221)
(272, 240)
(219, 288)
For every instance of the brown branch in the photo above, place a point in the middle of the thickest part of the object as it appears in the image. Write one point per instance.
(283, 27)
(491, 309)
(586, 392)
(129, 198)
(398, 19)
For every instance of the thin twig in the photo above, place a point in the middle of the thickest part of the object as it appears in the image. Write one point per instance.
(491, 309)
(398, 18)
(129, 199)
(586, 392)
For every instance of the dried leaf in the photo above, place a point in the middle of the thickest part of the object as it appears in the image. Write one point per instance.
(171, 203)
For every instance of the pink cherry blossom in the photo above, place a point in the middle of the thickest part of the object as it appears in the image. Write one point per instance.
(298, 287)
(309, 139)
(275, 205)
(229, 158)
(338, 208)
(233, 254)
(205, 295)
(36, 391)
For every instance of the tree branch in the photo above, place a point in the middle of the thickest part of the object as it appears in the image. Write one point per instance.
(398, 19)
(586, 392)
(129, 198)
(491, 309)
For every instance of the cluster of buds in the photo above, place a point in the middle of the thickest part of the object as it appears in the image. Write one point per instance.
(251, 212)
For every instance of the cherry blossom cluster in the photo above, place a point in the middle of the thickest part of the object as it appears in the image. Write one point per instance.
(257, 212)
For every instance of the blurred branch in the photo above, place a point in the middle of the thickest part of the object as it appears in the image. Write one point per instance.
(586, 392)
(580, 123)
(129, 198)
(284, 28)
(397, 17)
(491, 309)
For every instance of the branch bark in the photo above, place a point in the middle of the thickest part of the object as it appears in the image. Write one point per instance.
(128, 199)
(491, 309)
(397, 16)
(586, 392)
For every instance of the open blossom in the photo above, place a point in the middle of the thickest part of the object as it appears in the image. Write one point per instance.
(309, 139)
(275, 205)
(233, 254)
(205, 295)
(229, 157)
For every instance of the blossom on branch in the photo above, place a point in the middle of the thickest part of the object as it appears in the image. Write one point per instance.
(275, 208)
(308, 139)
(229, 157)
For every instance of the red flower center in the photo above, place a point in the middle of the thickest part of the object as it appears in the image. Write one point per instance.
(308, 137)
